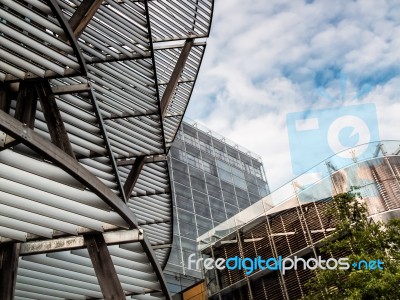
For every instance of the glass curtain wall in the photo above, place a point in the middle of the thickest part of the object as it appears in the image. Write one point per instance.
(212, 180)
(297, 224)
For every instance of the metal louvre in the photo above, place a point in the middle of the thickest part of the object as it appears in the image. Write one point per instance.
(117, 31)
(82, 125)
(34, 43)
(178, 20)
(70, 274)
(166, 59)
(37, 193)
(83, 142)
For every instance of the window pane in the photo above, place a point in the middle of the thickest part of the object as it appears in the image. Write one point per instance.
(183, 202)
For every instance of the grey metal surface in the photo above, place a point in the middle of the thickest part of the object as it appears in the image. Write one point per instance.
(103, 74)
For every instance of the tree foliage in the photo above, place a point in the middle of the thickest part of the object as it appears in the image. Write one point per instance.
(359, 238)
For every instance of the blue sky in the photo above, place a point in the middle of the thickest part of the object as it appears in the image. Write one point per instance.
(266, 59)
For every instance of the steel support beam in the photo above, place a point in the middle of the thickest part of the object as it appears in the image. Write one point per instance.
(96, 108)
(176, 74)
(4, 99)
(69, 34)
(24, 112)
(51, 113)
(6, 140)
(26, 104)
(78, 242)
(83, 14)
(9, 254)
(147, 159)
(156, 266)
(70, 89)
(104, 267)
(133, 175)
(42, 146)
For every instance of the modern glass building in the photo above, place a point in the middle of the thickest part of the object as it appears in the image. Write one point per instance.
(212, 180)
(298, 222)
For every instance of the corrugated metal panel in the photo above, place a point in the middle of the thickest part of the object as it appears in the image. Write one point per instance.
(106, 89)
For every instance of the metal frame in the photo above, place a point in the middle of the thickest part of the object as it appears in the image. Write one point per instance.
(92, 97)
(90, 160)
(79, 242)
(133, 175)
(176, 74)
(82, 16)
(104, 267)
(8, 269)
(28, 137)
(70, 34)
(52, 115)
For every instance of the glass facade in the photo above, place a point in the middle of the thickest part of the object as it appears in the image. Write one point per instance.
(212, 180)
(298, 223)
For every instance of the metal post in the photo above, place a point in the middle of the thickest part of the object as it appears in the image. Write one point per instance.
(55, 124)
(133, 176)
(104, 267)
(9, 254)
(242, 255)
(4, 99)
(83, 14)
(176, 74)
(96, 108)
(216, 274)
(26, 104)
(275, 253)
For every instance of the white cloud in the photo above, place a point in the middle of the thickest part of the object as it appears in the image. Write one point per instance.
(267, 59)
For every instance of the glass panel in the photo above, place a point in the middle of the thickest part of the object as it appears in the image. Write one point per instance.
(204, 222)
(185, 203)
(200, 197)
(239, 182)
(225, 175)
(231, 210)
(180, 166)
(188, 244)
(181, 177)
(182, 190)
(202, 209)
(188, 229)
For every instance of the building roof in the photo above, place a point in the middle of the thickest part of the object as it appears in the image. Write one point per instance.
(305, 188)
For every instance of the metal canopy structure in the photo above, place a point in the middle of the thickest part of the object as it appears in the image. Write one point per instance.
(92, 93)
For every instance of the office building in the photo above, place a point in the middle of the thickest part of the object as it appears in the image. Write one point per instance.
(212, 180)
(296, 224)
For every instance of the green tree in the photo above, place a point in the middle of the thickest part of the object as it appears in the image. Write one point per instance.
(359, 238)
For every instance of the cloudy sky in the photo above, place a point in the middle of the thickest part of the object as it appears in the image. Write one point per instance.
(267, 59)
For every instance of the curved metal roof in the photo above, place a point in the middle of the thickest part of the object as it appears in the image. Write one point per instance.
(92, 93)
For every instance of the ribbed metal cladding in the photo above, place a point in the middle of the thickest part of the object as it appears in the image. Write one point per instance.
(296, 226)
(32, 44)
(164, 60)
(95, 90)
